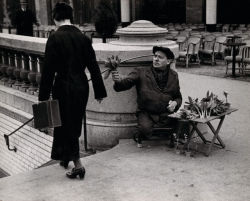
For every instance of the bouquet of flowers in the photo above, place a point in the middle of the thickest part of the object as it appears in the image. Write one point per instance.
(111, 64)
(206, 107)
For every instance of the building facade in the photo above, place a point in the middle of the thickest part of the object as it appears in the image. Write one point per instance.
(157, 11)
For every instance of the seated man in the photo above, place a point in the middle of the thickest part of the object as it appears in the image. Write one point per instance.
(158, 92)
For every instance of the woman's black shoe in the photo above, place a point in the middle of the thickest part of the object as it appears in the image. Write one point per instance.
(76, 172)
(65, 164)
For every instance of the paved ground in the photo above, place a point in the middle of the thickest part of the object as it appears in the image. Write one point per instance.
(155, 172)
(3, 173)
(217, 70)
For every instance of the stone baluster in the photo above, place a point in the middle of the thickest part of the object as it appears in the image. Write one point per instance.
(24, 73)
(38, 74)
(41, 32)
(10, 69)
(17, 70)
(32, 74)
(1, 64)
(4, 67)
(36, 31)
(46, 32)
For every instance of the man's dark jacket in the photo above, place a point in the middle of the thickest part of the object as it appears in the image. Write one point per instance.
(150, 97)
(24, 21)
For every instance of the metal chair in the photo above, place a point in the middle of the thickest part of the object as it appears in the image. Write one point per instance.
(219, 47)
(207, 52)
(239, 60)
(182, 42)
(246, 59)
(191, 53)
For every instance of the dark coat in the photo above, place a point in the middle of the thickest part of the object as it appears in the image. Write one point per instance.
(68, 53)
(24, 21)
(150, 97)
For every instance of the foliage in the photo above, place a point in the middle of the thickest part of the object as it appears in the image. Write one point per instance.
(105, 19)
(208, 106)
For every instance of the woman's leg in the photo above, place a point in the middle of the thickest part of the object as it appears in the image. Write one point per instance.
(78, 170)
(77, 163)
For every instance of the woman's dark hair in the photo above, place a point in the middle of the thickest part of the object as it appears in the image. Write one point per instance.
(62, 11)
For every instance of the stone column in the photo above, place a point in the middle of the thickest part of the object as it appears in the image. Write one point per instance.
(6, 19)
(42, 12)
(211, 15)
(125, 12)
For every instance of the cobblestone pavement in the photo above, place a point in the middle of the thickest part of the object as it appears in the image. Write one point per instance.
(155, 172)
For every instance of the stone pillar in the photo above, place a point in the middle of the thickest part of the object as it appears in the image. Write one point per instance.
(6, 19)
(125, 12)
(211, 15)
(42, 12)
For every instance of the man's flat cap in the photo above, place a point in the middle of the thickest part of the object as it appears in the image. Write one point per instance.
(165, 50)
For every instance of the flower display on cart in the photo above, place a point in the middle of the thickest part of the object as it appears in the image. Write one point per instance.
(208, 106)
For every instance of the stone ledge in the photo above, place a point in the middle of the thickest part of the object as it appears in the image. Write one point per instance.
(23, 43)
(17, 99)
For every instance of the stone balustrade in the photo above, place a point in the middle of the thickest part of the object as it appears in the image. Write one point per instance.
(43, 31)
(21, 60)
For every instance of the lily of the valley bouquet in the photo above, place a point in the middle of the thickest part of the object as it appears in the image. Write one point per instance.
(208, 106)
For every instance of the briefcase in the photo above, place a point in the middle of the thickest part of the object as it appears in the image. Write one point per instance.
(46, 114)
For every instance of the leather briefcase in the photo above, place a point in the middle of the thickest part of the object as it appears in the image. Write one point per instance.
(46, 114)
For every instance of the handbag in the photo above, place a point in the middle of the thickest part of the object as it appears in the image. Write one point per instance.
(46, 114)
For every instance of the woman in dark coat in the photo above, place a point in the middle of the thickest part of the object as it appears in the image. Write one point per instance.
(68, 52)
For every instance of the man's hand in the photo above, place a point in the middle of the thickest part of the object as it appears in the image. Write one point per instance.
(171, 106)
(116, 76)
